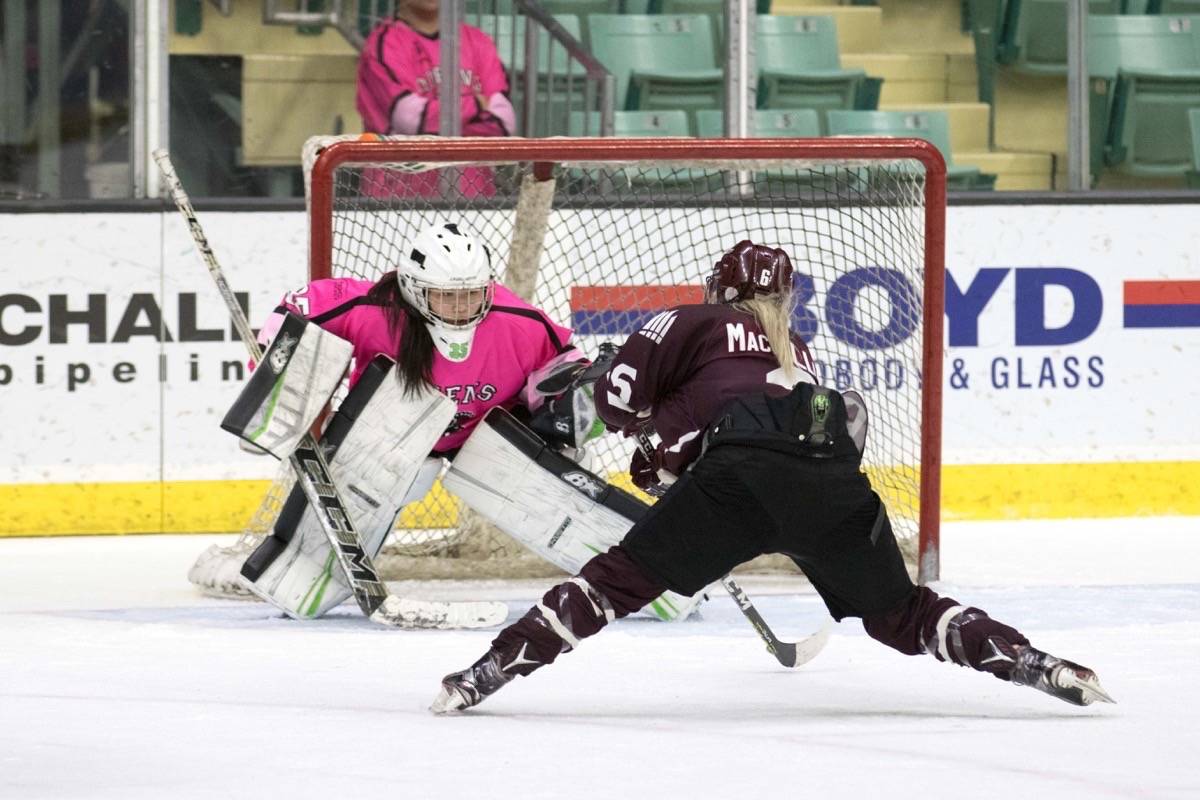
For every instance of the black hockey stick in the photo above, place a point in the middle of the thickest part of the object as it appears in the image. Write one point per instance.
(316, 480)
(789, 654)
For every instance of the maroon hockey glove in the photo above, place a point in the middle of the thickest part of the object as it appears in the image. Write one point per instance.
(644, 475)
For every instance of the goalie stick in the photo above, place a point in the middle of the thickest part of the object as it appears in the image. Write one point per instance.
(789, 654)
(314, 477)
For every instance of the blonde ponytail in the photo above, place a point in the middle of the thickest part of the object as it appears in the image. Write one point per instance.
(773, 313)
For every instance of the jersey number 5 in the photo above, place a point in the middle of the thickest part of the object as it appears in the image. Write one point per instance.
(621, 378)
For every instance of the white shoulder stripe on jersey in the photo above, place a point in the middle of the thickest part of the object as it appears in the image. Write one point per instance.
(657, 327)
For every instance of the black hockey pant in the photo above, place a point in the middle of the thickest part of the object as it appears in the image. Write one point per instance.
(737, 503)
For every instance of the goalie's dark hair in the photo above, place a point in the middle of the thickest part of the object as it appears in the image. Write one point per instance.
(414, 344)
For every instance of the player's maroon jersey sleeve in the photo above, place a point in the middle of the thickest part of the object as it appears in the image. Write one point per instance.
(650, 363)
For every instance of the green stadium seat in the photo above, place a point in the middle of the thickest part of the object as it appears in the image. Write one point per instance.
(660, 62)
(713, 9)
(1170, 7)
(1148, 132)
(189, 17)
(783, 124)
(985, 18)
(1146, 77)
(932, 126)
(1193, 175)
(768, 124)
(642, 124)
(710, 123)
(799, 65)
(1141, 42)
(582, 9)
(470, 7)
(1033, 36)
(633, 123)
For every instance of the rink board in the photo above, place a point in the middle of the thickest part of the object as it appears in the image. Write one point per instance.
(1070, 377)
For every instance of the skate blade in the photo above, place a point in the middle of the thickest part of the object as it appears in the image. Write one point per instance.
(448, 701)
(1089, 688)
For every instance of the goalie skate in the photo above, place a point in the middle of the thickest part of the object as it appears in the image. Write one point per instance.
(1063, 679)
(218, 570)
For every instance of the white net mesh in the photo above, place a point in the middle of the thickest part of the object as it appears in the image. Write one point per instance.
(604, 246)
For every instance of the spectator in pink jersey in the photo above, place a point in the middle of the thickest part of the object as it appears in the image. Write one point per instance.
(398, 89)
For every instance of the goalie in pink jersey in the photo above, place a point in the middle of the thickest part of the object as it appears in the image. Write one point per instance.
(441, 316)
(447, 323)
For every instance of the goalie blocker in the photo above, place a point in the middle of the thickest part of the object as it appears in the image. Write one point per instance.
(283, 398)
(547, 502)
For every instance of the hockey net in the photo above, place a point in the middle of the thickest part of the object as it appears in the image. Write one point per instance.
(604, 233)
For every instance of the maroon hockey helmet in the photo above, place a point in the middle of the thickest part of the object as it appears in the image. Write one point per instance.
(747, 270)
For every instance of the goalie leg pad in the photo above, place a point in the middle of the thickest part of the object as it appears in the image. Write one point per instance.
(286, 393)
(547, 502)
(381, 441)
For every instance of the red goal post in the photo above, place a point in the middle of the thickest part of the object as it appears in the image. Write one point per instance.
(854, 193)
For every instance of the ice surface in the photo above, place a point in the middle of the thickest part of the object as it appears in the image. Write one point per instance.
(118, 681)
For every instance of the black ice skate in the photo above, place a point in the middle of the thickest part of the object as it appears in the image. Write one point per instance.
(461, 690)
(1065, 680)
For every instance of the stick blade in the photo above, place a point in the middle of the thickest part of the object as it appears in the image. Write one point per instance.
(398, 612)
(800, 653)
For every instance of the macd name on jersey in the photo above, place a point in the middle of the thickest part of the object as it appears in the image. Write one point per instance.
(739, 340)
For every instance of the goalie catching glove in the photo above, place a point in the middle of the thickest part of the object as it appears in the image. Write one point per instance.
(567, 419)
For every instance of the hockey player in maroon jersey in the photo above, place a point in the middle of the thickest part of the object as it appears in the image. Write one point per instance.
(759, 459)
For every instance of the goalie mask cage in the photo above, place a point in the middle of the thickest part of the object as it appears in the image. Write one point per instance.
(604, 233)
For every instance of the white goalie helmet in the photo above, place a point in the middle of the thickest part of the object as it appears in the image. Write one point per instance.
(447, 277)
